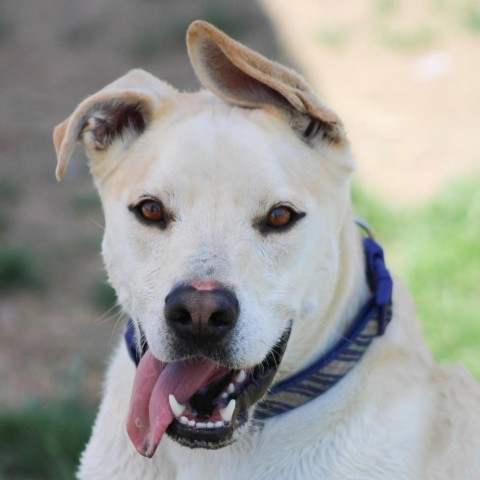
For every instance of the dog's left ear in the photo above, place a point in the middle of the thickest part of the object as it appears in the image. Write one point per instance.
(243, 77)
(121, 111)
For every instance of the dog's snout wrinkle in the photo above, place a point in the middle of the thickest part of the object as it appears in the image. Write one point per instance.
(207, 314)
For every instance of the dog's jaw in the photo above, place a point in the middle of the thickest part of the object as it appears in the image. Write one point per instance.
(215, 401)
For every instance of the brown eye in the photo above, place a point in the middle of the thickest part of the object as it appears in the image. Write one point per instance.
(151, 211)
(279, 217)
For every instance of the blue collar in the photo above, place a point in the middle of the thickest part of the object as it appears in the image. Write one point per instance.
(370, 322)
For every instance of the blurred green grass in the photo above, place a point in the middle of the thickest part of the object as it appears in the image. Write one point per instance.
(43, 441)
(435, 248)
(20, 268)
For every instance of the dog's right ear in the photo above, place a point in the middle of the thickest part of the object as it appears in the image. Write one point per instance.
(243, 77)
(120, 111)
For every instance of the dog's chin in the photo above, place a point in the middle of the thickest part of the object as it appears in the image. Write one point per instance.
(233, 396)
(211, 439)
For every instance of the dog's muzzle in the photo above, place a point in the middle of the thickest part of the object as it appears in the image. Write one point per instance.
(199, 401)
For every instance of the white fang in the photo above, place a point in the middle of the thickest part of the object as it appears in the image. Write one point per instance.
(177, 408)
(227, 412)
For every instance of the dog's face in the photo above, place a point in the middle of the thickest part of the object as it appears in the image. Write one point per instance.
(235, 194)
(221, 222)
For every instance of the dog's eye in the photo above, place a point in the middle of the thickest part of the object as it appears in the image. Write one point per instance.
(150, 211)
(280, 216)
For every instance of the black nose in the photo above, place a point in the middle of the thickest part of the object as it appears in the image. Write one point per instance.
(201, 314)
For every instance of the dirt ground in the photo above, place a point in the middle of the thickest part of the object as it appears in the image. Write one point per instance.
(412, 113)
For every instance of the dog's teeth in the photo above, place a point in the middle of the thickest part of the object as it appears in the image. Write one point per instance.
(231, 388)
(227, 412)
(210, 425)
(241, 376)
(201, 425)
(191, 423)
(184, 420)
(219, 424)
(177, 408)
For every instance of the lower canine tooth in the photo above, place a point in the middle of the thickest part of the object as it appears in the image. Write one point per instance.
(227, 412)
(177, 408)
(241, 376)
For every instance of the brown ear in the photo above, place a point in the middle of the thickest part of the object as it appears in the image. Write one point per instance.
(242, 77)
(121, 110)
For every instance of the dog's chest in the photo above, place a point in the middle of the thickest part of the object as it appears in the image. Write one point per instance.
(299, 449)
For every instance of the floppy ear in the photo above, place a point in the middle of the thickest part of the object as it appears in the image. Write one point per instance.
(122, 110)
(242, 77)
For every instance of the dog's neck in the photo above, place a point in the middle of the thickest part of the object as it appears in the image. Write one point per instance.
(363, 315)
(351, 290)
(335, 363)
(349, 293)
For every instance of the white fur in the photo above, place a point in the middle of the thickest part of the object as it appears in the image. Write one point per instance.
(217, 167)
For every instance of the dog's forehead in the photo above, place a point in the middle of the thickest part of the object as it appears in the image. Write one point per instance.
(220, 147)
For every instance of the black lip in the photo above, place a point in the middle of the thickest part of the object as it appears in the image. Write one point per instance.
(261, 379)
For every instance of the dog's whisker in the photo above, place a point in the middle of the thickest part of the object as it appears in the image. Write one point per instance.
(96, 223)
(109, 314)
(118, 322)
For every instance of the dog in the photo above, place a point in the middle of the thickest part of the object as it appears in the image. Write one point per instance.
(266, 339)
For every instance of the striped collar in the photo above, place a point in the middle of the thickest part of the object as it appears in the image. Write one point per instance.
(370, 322)
(308, 384)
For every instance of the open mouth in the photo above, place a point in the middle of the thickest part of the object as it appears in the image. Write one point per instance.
(197, 402)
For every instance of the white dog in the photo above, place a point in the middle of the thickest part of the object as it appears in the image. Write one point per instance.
(263, 326)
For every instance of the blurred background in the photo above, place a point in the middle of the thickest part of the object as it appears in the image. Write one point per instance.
(404, 75)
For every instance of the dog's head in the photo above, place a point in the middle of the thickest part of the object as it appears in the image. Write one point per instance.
(223, 210)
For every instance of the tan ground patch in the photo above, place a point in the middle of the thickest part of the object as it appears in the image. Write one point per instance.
(411, 103)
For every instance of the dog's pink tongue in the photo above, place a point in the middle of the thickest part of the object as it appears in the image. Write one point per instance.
(150, 413)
